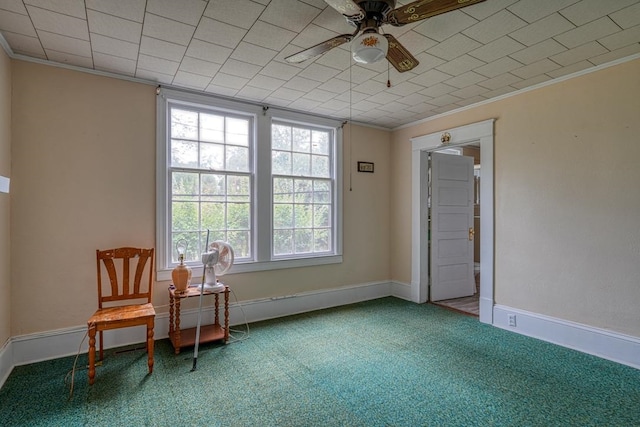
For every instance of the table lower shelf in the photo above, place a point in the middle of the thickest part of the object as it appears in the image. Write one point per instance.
(208, 333)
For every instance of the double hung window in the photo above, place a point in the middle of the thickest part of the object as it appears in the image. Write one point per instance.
(268, 184)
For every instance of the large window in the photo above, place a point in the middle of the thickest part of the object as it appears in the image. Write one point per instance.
(266, 181)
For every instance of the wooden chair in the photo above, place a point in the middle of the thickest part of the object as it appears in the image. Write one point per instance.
(111, 314)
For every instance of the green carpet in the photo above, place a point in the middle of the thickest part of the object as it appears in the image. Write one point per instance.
(385, 362)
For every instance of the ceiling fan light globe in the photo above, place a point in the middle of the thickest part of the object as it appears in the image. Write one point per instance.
(368, 48)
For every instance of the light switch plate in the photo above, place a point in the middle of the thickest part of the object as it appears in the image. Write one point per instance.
(4, 184)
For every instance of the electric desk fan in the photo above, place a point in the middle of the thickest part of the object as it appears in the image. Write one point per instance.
(216, 262)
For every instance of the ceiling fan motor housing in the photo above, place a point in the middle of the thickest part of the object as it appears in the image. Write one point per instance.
(375, 12)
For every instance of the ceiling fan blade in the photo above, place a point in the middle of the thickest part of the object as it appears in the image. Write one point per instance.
(423, 9)
(320, 48)
(348, 8)
(399, 56)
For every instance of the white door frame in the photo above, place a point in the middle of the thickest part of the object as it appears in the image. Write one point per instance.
(481, 132)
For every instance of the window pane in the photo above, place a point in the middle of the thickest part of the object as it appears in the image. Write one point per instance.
(237, 131)
(214, 185)
(281, 163)
(237, 159)
(321, 215)
(320, 166)
(211, 128)
(303, 190)
(184, 154)
(282, 242)
(303, 241)
(301, 140)
(301, 164)
(321, 191)
(191, 239)
(282, 190)
(212, 156)
(184, 216)
(281, 137)
(320, 142)
(321, 240)
(240, 241)
(184, 184)
(184, 124)
(282, 216)
(303, 216)
(213, 217)
(238, 216)
(238, 188)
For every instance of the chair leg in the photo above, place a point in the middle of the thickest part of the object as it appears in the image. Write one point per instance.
(92, 353)
(101, 346)
(150, 345)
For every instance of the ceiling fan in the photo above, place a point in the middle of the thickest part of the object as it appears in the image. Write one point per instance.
(368, 16)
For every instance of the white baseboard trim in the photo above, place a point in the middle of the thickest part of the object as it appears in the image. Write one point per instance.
(609, 345)
(37, 347)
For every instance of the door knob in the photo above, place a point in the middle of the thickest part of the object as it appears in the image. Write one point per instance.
(472, 233)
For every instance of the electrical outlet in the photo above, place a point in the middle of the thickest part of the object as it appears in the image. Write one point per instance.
(512, 320)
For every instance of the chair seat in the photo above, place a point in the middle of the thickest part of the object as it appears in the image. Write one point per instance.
(125, 313)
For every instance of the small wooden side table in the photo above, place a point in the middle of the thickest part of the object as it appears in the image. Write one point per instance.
(187, 337)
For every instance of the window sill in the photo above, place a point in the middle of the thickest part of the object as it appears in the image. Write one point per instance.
(247, 267)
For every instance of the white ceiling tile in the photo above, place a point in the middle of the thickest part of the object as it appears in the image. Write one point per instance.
(58, 23)
(269, 36)
(240, 13)
(277, 102)
(287, 94)
(129, 9)
(430, 78)
(279, 71)
(114, 64)
(370, 87)
(472, 100)
(453, 47)
(312, 35)
(190, 80)
(466, 79)
(114, 47)
(73, 8)
(405, 88)
(538, 51)
(160, 65)
(221, 90)
(627, 17)
(415, 43)
(333, 21)
(500, 91)
(303, 85)
(589, 10)
(471, 91)
(570, 69)
(579, 53)
(460, 65)
(240, 69)
(289, 14)
(532, 11)
(220, 33)
(166, 29)
(589, 32)
(622, 39)
(185, 11)
(444, 100)
(304, 104)
(633, 49)
(59, 43)
(199, 66)
(154, 76)
(208, 51)
(364, 105)
(318, 73)
(535, 69)
(68, 58)
(16, 6)
(532, 81)
(162, 49)
(335, 86)
(253, 54)
(500, 81)
(426, 62)
(227, 80)
(500, 66)
(16, 23)
(549, 26)
(494, 27)
(383, 98)
(335, 105)
(263, 2)
(266, 82)
(437, 90)
(485, 9)
(320, 95)
(356, 74)
(253, 93)
(25, 45)
(443, 26)
(114, 27)
(496, 49)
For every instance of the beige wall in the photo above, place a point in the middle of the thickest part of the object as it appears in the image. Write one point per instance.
(5, 170)
(84, 178)
(566, 198)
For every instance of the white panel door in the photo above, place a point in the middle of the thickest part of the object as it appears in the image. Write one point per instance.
(451, 227)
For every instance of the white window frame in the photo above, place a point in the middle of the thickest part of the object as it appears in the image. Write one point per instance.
(261, 182)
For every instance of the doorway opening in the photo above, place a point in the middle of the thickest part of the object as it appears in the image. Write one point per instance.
(475, 134)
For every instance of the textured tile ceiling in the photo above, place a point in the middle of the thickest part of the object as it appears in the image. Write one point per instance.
(236, 48)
